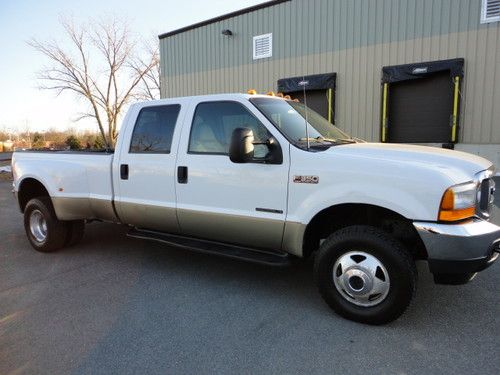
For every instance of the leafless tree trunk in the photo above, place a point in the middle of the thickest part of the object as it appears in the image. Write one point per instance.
(103, 66)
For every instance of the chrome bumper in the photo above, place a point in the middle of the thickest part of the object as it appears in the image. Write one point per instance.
(460, 248)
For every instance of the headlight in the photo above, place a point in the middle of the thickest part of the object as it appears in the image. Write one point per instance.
(458, 202)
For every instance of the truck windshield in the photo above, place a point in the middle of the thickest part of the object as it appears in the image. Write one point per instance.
(289, 117)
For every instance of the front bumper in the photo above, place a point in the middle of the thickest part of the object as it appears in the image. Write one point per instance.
(464, 248)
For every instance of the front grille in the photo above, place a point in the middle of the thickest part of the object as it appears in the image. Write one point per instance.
(487, 189)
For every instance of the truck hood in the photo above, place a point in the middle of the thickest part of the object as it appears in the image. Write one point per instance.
(457, 165)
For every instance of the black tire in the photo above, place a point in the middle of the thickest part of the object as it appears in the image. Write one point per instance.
(76, 230)
(398, 264)
(56, 231)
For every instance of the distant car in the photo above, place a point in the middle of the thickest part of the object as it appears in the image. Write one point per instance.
(242, 176)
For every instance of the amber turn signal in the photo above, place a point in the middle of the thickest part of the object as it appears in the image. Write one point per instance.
(458, 203)
(455, 215)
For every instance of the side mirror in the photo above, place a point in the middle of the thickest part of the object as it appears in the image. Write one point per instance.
(241, 148)
(275, 155)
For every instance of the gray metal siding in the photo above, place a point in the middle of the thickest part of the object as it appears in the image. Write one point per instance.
(354, 38)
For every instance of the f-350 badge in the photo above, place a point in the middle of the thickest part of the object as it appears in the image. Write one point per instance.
(306, 179)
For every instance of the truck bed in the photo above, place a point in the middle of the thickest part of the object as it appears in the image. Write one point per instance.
(77, 152)
(79, 182)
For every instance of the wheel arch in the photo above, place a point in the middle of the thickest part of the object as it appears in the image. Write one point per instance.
(343, 215)
(30, 188)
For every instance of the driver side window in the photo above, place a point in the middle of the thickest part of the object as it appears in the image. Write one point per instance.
(213, 125)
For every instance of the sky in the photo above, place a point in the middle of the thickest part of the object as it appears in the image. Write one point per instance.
(22, 104)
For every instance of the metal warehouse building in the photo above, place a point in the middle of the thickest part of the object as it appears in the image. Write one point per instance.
(408, 71)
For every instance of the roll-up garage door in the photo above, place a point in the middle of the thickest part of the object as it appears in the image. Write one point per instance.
(420, 102)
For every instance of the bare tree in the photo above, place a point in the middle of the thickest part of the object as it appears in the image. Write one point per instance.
(149, 89)
(102, 65)
(4, 134)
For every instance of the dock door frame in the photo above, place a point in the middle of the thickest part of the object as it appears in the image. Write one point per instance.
(399, 73)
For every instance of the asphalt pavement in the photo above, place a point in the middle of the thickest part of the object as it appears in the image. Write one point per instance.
(115, 305)
(4, 156)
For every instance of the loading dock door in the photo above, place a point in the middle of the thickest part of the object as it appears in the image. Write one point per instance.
(320, 92)
(419, 110)
(420, 102)
(316, 100)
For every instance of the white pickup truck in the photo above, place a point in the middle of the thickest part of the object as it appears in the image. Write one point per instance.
(243, 176)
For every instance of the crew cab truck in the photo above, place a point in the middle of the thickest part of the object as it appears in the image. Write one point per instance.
(268, 180)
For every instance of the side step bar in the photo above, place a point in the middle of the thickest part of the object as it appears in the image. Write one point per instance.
(271, 258)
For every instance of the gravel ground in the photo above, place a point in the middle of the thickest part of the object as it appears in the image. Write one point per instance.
(117, 305)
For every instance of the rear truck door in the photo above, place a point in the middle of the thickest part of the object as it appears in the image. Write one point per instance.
(144, 170)
(219, 200)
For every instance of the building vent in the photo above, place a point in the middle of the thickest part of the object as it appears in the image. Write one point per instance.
(263, 46)
(490, 11)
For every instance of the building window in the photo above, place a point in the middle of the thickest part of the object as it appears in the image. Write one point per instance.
(154, 129)
(490, 11)
(263, 46)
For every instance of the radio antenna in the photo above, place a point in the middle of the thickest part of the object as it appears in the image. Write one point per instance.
(304, 83)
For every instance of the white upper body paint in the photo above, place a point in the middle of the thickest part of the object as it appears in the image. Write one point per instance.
(406, 179)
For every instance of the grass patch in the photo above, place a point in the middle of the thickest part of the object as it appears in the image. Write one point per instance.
(5, 176)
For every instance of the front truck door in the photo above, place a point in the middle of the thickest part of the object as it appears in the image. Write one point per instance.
(217, 199)
(144, 177)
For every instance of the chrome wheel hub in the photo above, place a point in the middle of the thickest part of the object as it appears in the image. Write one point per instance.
(361, 278)
(38, 226)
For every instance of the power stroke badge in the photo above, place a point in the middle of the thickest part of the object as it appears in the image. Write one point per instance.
(306, 179)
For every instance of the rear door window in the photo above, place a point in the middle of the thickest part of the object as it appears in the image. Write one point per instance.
(154, 129)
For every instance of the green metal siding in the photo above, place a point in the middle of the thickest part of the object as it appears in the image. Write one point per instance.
(353, 38)
(305, 27)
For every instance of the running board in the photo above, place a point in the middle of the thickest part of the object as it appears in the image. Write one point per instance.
(271, 258)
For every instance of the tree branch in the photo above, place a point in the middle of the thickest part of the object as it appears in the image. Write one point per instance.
(109, 83)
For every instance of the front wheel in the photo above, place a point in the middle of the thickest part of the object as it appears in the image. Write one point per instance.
(365, 275)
